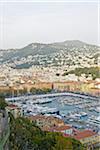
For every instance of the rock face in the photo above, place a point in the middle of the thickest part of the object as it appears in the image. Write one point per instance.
(61, 53)
(4, 130)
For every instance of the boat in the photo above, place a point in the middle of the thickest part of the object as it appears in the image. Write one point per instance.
(42, 101)
(83, 114)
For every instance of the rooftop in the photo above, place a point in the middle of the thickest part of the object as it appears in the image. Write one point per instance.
(12, 106)
(84, 134)
(61, 128)
(42, 117)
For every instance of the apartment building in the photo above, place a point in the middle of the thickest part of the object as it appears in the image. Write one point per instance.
(46, 122)
(89, 138)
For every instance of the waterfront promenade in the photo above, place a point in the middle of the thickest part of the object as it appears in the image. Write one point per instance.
(49, 95)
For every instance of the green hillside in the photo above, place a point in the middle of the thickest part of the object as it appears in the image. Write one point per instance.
(27, 136)
(94, 71)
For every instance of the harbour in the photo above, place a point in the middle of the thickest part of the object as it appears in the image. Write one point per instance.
(81, 111)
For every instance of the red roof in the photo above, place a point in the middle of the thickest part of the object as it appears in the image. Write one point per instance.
(46, 118)
(84, 134)
(67, 135)
(61, 128)
(12, 106)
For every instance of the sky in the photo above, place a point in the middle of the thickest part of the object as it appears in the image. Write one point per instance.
(22, 23)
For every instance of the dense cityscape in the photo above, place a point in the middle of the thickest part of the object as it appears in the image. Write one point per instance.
(49, 75)
(58, 97)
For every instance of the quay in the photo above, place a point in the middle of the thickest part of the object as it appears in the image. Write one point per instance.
(26, 97)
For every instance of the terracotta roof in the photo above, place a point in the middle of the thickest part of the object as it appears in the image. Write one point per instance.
(33, 118)
(42, 117)
(66, 82)
(84, 134)
(61, 128)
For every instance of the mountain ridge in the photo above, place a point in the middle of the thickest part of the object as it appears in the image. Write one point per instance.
(51, 43)
(46, 54)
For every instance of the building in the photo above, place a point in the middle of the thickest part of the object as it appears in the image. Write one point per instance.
(46, 122)
(4, 89)
(95, 92)
(89, 138)
(71, 86)
(65, 129)
(15, 110)
(4, 130)
(39, 85)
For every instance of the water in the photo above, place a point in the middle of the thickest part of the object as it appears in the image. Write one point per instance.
(67, 110)
(70, 108)
(56, 102)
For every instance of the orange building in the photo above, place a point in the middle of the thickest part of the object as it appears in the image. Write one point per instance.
(4, 88)
(88, 138)
(46, 122)
(73, 86)
(40, 85)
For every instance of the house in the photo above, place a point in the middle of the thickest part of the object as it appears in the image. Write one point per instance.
(65, 129)
(46, 122)
(88, 138)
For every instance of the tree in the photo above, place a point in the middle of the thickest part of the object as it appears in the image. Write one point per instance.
(3, 103)
(24, 135)
(40, 91)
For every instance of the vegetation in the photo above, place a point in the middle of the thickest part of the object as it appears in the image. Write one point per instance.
(5, 93)
(94, 71)
(27, 136)
(40, 91)
(3, 104)
(16, 92)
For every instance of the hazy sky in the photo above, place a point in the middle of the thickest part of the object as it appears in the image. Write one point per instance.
(22, 23)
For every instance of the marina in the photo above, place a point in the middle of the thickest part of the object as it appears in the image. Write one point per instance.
(80, 112)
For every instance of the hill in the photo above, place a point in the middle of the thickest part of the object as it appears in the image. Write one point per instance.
(61, 53)
(27, 136)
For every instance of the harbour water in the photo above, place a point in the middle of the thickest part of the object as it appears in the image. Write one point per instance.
(82, 112)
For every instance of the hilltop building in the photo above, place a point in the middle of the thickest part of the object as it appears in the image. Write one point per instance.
(15, 110)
